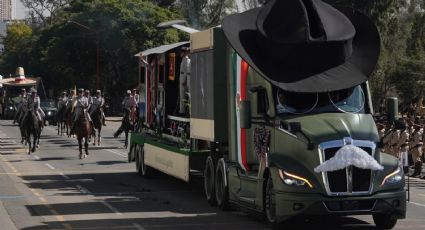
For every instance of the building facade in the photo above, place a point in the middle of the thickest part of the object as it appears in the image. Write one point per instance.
(6, 9)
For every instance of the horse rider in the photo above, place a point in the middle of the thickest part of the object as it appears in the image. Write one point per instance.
(34, 105)
(416, 150)
(63, 101)
(22, 100)
(129, 104)
(71, 101)
(89, 99)
(98, 102)
(81, 104)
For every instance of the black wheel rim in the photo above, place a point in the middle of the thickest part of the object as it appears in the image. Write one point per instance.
(270, 202)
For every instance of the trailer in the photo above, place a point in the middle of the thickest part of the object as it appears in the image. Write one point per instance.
(263, 147)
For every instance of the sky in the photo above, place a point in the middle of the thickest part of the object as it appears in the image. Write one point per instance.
(20, 10)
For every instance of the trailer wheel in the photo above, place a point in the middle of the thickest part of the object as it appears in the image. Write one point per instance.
(270, 204)
(142, 169)
(221, 188)
(137, 159)
(209, 181)
(384, 221)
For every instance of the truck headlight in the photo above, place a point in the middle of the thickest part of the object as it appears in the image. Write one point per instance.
(49, 113)
(11, 108)
(393, 177)
(293, 180)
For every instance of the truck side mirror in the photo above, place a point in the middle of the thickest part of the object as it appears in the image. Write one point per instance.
(262, 99)
(392, 109)
(245, 114)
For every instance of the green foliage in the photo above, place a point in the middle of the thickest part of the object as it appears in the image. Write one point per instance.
(401, 25)
(17, 47)
(64, 52)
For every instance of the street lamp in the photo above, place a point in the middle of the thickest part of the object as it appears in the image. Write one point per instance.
(97, 50)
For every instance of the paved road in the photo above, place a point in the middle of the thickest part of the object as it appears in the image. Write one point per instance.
(53, 189)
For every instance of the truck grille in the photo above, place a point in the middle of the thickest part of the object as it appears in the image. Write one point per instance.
(351, 180)
(338, 180)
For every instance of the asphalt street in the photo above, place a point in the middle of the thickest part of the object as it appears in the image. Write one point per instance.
(53, 189)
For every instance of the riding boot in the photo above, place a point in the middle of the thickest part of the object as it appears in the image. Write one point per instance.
(72, 129)
(93, 131)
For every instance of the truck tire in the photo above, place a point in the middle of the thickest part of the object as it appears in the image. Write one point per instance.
(384, 221)
(221, 188)
(209, 181)
(142, 169)
(270, 205)
(137, 159)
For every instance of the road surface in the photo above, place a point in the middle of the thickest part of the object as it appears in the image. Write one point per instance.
(53, 189)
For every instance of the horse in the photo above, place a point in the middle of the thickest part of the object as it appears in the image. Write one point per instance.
(31, 126)
(83, 129)
(96, 117)
(61, 118)
(68, 120)
(125, 127)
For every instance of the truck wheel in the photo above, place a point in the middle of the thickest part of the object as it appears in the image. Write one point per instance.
(384, 221)
(137, 159)
(146, 171)
(270, 204)
(221, 190)
(209, 181)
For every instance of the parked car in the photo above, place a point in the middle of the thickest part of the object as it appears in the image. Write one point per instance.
(10, 109)
(49, 108)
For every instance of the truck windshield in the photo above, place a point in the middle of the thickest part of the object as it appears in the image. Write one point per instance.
(350, 100)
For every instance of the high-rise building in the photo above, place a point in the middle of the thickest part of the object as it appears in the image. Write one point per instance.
(6, 7)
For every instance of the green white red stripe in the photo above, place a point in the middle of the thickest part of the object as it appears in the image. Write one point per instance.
(241, 95)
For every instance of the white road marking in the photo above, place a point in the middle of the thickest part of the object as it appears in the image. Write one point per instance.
(418, 204)
(111, 208)
(36, 157)
(82, 189)
(116, 152)
(50, 166)
(64, 176)
(138, 226)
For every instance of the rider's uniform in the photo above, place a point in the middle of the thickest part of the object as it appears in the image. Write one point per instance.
(129, 104)
(90, 102)
(63, 101)
(34, 105)
(81, 105)
(98, 101)
(22, 107)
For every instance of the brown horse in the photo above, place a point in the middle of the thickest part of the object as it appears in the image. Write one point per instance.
(83, 130)
(62, 121)
(68, 120)
(96, 117)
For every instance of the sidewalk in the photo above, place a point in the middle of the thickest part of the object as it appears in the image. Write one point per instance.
(113, 119)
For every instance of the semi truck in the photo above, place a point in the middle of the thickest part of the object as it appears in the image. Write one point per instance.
(261, 147)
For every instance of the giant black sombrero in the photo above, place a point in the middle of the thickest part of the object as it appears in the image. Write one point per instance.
(305, 45)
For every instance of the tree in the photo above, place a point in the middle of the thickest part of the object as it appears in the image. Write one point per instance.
(203, 14)
(17, 45)
(65, 53)
(44, 11)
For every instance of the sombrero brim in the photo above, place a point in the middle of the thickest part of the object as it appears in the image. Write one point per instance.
(242, 34)
(12, 82)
